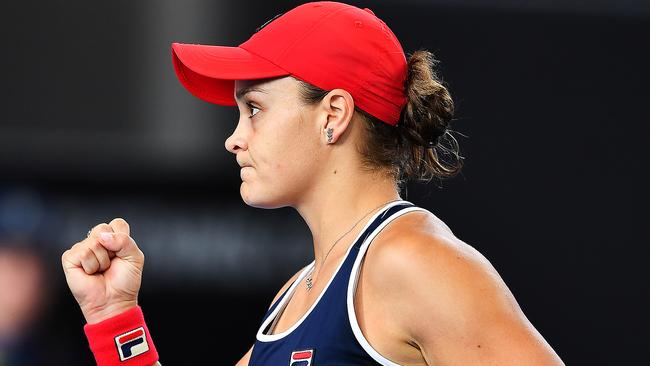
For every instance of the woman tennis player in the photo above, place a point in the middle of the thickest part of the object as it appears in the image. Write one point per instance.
(334, 118)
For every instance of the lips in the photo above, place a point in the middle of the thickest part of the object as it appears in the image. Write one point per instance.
(243, 164)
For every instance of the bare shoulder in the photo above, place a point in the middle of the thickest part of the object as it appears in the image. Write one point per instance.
(419, 252)
(420, 243)
(448, 298)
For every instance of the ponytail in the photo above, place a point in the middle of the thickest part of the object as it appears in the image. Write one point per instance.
(430, 149)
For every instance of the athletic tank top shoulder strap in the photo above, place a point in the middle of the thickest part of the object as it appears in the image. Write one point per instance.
(301, 276)
(353, 282)
(328, 333)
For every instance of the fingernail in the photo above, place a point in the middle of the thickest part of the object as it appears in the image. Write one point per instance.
(106, 237)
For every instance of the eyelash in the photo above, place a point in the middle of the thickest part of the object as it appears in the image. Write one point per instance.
(251, 107)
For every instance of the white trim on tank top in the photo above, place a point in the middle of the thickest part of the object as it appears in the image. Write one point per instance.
(283, 302)
(352, 286)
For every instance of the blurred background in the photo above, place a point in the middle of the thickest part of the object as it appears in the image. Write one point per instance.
(552, 98)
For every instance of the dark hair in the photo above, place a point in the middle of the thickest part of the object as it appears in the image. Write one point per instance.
(415, 148)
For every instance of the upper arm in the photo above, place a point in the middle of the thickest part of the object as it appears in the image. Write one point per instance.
(454, 305)
(246, 358)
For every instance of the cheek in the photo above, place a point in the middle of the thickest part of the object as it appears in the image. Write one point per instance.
(291, 154)
(287, 160)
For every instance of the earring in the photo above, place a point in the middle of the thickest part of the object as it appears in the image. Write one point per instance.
(330, 131)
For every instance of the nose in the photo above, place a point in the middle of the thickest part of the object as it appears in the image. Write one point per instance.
(238, 140)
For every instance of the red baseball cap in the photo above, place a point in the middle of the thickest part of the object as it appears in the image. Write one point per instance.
(327, 44)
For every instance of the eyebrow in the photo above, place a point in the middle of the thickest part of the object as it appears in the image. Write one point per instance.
(243, 91)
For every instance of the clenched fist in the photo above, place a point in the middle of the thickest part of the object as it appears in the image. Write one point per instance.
(104, 271)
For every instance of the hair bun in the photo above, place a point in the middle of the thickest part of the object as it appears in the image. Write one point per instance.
(425, 120)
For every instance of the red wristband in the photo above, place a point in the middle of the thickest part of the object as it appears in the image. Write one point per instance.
(122, 340)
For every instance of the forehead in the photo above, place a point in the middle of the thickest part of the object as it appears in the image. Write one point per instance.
(265, 86)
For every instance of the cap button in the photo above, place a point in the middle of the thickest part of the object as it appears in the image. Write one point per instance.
(369, 11)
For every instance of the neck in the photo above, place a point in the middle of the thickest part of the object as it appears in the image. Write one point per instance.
(333, 207)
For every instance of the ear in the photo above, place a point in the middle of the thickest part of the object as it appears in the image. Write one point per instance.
(338, 106)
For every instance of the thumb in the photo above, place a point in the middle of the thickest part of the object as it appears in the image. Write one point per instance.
(122, 245)
(119, 225)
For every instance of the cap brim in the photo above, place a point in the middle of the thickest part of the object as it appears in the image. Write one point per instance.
(209, 72)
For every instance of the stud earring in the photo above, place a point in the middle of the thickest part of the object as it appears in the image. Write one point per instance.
(330, 132)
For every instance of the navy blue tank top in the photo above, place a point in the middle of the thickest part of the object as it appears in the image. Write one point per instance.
(328, 333)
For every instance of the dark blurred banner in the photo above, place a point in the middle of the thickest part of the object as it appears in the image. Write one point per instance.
(552, 118)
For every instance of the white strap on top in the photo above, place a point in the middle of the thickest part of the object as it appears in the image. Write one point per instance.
(354, 280)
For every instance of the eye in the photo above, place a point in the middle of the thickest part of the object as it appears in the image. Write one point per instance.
(253, 109)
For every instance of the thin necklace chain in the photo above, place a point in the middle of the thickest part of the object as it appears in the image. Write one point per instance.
(309, 281)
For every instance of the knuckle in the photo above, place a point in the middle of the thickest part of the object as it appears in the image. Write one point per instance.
(97, 246)
(103, 262)
(87, 243)
(75, 249)
(122, 237)
(127, 240)
(86, 254)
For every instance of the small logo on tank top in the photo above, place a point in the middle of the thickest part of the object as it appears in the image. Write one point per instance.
(302, 358)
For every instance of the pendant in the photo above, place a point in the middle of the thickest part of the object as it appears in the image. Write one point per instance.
(309, 282)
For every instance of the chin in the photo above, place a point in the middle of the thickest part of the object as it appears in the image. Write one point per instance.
(258, 199)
